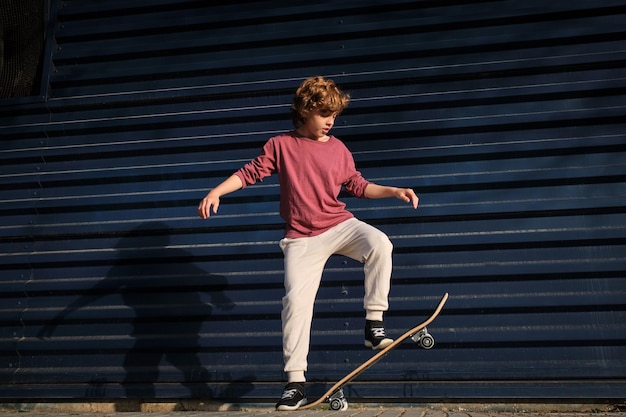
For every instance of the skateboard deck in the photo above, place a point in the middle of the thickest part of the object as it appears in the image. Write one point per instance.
(334, 395)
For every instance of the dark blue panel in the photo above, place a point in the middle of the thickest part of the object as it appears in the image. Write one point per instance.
(507, 120)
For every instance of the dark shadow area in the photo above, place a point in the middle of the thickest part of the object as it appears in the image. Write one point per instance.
(22, 27)
(170, 298)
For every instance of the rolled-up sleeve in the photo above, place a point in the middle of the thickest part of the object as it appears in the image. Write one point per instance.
(356, 185)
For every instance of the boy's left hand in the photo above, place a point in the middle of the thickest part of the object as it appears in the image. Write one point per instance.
(408, 195)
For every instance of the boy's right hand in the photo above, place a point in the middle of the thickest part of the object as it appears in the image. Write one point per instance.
(208, 202)
(212, 199)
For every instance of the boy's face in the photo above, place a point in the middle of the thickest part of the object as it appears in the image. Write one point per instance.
(318, 124)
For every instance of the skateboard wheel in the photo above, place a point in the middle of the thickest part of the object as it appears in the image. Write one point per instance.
(427, 341)
(338, 404)
(423, 339)
(337, 401)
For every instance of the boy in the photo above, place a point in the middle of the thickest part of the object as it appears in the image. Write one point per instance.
(312, 167)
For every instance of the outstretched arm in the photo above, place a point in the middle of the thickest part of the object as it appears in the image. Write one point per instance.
(382, 191)
(212, 199)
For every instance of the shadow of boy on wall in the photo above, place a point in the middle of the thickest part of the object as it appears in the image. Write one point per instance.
(167, 293)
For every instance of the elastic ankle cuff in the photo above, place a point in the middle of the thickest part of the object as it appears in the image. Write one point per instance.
(296, 376)
(374, 315)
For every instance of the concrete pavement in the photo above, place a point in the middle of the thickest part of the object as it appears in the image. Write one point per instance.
(206, 409)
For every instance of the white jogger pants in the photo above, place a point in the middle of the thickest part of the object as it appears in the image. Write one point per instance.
(304, 263)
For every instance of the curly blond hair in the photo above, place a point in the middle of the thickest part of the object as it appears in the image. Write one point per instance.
(317, 93)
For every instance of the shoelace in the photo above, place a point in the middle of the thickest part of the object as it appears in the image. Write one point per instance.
(290, 393)
(378, 332)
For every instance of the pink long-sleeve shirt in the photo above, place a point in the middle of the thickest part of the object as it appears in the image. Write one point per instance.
(311, 174)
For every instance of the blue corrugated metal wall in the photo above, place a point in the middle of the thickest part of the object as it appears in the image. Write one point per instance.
(507, 117)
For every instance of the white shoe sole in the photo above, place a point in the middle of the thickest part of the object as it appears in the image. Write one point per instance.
(383, 344)
(285, 407)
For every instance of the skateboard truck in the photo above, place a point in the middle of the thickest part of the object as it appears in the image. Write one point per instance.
(423, 339)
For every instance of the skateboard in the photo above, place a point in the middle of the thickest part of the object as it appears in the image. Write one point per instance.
(419, 334)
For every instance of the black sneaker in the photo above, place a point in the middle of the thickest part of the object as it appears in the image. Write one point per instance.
(292, 398)
(375, 336)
